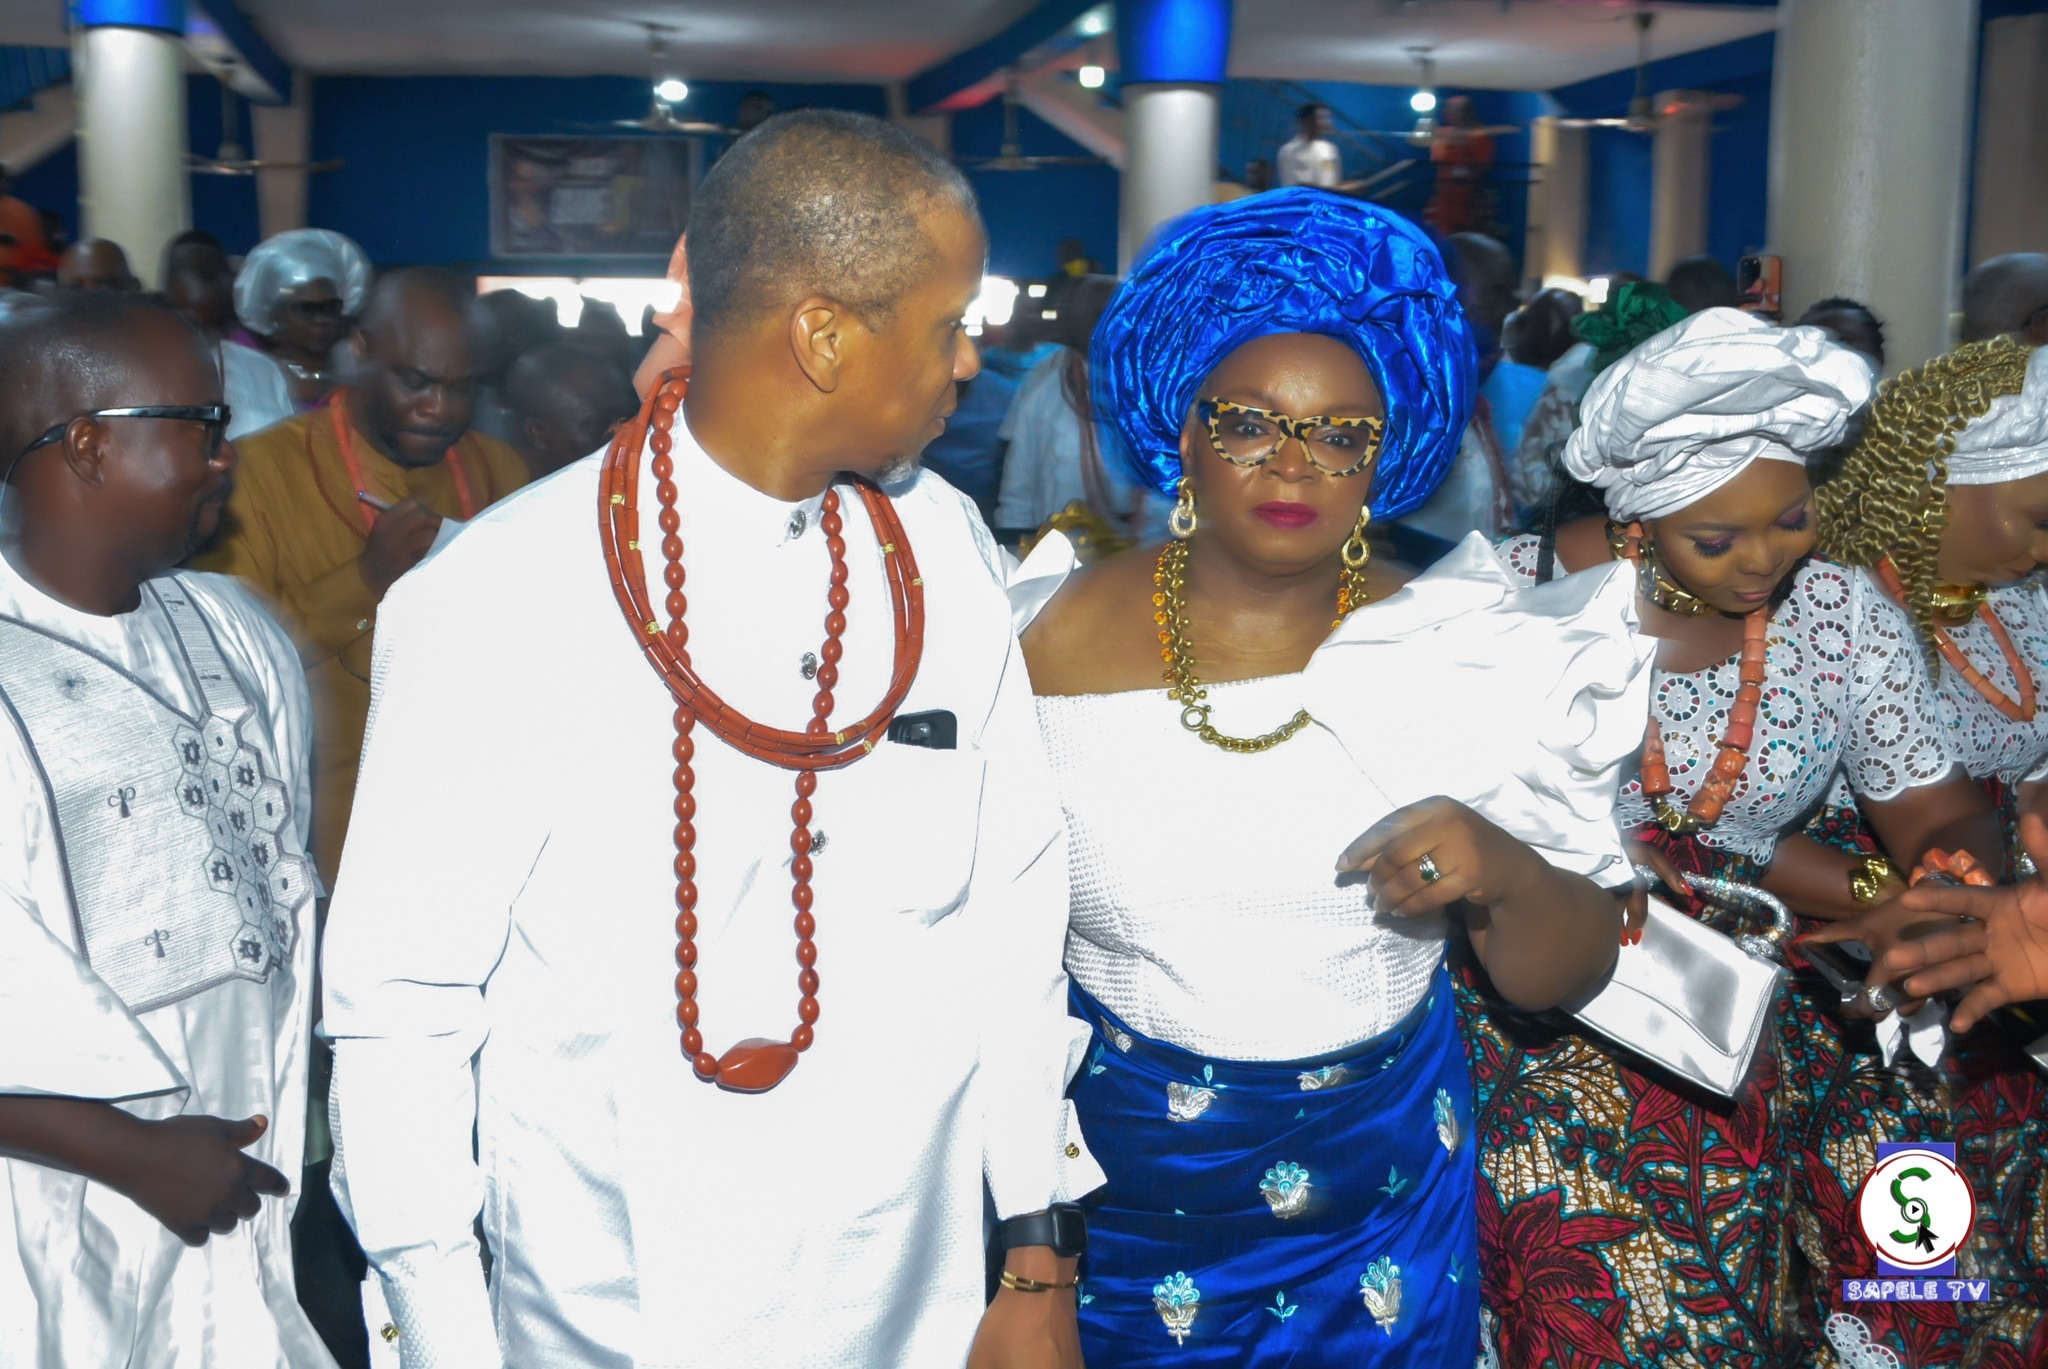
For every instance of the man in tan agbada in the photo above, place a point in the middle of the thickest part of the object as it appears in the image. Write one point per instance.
(333, 506)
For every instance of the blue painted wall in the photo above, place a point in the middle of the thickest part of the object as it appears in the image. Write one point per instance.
(1618, 170)
(417, 150)
(1029, 212)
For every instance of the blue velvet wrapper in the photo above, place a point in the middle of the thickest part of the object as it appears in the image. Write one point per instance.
(1290, 261)
(1191, 1212)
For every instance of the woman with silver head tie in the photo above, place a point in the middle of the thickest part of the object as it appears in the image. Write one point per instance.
(1337, 776)
(1945, 498)
(1627, 1215)
(300, 292)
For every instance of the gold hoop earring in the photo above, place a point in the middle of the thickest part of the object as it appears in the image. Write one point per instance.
(1356, 551)
(1183, 519)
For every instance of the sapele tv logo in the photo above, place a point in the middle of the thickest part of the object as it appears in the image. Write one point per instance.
(1916, 1211)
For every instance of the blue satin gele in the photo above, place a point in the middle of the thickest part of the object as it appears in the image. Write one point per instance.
(1290, 261)
(1262, 1215)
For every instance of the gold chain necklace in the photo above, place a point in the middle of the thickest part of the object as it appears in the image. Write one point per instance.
(1955, 603)
(1169, 611)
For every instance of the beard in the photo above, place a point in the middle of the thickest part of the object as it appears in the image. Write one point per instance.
(897, 471)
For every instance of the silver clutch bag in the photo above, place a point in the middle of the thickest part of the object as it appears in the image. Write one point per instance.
(1687, 997)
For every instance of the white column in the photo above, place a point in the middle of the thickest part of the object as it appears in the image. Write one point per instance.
(2011, 203)
(283, 133)
(1170, 157)
(1678, 182)
(1870, 123)
(1556, 241)
(133, 186)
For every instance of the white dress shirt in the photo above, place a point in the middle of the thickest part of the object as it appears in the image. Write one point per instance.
(86, 1276)
(507, 898)
(1309, 161)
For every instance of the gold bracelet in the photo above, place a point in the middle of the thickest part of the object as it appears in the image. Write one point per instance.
(1020, 1284)
(1868, 878)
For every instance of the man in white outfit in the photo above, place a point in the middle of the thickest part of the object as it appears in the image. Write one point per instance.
(155, 895)
(599, 838)
(1309, 157)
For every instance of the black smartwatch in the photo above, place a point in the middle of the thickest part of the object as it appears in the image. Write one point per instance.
(1063, 1226)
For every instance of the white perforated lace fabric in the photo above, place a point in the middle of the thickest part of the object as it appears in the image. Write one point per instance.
(1848, 693)
(1982, 738)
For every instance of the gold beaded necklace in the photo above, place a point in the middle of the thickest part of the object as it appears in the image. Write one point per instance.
(1630, 544)
(1169, 611)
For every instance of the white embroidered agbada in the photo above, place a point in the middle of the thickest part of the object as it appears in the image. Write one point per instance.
(87, 1278)
(507, 894)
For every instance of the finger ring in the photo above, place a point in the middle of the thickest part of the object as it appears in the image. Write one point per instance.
(1881, 998)
(1426, 867)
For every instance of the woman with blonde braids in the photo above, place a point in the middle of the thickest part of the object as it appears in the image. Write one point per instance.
(1945, 498)
(1624, 1213)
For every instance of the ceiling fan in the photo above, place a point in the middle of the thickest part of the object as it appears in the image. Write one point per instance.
(667, 93)
(1012, 157)
(1424, 103)
(1644, 114)
(232, 159)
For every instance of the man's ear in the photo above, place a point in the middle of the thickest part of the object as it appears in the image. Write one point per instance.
(85, 450)
(822, 335)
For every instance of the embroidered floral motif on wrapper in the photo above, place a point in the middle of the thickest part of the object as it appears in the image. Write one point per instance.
(1286, 1189)
(1380, 1286)
(1177, 1300)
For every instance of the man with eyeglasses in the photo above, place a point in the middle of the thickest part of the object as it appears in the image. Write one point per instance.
(331, 507)
(156, 947)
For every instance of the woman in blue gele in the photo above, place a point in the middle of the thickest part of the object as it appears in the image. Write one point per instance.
(1341, 769)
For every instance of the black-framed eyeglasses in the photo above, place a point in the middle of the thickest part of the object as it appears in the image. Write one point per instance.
(314, 310)
(214, 416)
(1245, 436)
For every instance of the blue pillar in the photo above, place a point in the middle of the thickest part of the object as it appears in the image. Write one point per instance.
(1174, 56)
(163, 16)
(1173, 42)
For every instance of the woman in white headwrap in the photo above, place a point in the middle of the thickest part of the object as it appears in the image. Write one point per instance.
(1945, 497)
(1630, 1219)
(300, 292)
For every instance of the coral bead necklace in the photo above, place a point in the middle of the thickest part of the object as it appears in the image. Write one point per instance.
(1733, 757)
(756, 1064)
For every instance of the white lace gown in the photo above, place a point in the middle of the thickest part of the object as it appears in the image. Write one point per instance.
(1848, 695)
(1206, 906)
(1986, 741)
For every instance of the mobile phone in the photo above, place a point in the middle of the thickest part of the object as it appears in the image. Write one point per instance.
(1845, 964)
(1760, 280)
(937, 730)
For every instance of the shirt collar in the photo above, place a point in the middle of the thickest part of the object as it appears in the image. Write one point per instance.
(720, 499)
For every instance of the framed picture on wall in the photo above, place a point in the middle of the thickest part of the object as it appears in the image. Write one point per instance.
(590, 197)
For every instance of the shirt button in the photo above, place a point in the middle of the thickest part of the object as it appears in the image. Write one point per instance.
(809, 666)
(798, 521)
(1073, 1151)
(389, 1333)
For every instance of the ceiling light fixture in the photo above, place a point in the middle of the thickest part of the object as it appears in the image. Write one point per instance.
(1423, 102)
(1094, 23)
(671, 91)
(1091, 77)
